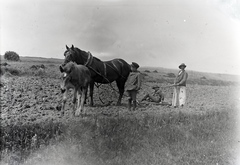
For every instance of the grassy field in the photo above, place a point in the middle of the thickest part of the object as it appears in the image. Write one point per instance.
(205, 131)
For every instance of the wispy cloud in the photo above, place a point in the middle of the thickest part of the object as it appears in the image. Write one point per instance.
(156, 33)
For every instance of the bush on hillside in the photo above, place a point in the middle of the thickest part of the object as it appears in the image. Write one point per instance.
(203, 78)
(144, 74)
(12, 56)
(37, 67)
(4, 64)
(172, 75)
(10, 70)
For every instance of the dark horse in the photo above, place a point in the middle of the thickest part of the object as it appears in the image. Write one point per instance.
(101, 72)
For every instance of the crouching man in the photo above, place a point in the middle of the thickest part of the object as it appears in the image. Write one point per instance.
(157, 96)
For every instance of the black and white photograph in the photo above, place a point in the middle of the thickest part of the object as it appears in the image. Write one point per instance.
(120, 82)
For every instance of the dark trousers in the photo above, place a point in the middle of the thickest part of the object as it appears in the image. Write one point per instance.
(132, 94)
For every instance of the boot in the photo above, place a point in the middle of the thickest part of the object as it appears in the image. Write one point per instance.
(134, 105)
(129, 104)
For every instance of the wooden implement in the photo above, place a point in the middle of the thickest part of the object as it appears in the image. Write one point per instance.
(172, 85)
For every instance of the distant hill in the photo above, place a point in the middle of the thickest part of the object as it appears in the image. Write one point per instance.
(154, 72)
(159, 71)
(37, 59)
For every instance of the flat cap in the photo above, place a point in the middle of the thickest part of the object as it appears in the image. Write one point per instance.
(135, 65)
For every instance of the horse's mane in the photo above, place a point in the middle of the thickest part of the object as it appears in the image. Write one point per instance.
(97, 59)
(82, 52)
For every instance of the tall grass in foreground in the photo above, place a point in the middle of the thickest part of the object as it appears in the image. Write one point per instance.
(171, 138)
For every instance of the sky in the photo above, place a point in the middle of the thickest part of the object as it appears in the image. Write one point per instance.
(203, 34)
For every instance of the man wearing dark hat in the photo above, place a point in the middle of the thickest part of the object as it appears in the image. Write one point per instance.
(132, 85)
(156, 97)
(179, 90)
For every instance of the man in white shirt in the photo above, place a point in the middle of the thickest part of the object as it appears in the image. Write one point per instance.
(179, 90)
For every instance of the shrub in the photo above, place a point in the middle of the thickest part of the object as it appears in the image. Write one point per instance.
(40, 72)
(4, 64)
(172, 75)
(2, 70)
(144, 74)
(12, 56)
(12, 71)
(155, 71)
(147, 71)
(37, 67)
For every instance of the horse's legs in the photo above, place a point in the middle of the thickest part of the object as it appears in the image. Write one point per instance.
(74, 100)
(64, 101)
(86, 91)
(91, 92)
(120, 85)
(79, 93)
(83, 96)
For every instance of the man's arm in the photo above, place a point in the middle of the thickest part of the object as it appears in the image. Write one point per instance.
(139, 81)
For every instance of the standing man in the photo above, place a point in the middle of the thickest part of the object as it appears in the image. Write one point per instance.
(133, 84)
(179, 90)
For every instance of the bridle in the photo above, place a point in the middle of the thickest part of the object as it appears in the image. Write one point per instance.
(68, 54)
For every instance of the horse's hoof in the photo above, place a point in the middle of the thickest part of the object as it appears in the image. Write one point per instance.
(119, 104)
(59, 107)
(77, 114)
(83, 115)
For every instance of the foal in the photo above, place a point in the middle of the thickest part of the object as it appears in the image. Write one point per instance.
(77, 77)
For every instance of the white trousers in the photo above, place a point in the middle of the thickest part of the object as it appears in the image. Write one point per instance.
(179, 96)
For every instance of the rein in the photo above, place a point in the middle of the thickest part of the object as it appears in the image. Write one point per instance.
(90, 60)
(88, 64)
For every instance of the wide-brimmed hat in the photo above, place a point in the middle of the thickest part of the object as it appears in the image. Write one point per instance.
(182, 64)
(155, 87)
(135, 65)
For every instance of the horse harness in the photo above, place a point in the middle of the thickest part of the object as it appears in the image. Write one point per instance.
(89, 63)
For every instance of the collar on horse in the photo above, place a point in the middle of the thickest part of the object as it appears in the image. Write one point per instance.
(89, 60)
(89, 63)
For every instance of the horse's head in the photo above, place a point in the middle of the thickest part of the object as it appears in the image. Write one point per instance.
(67, 75)
(67, 68)
(69, 54)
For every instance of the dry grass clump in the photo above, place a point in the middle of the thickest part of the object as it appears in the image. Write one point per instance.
(171, 138)
(10, 71)
(18, 141)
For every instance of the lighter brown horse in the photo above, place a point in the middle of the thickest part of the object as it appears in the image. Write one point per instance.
(77, 77)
